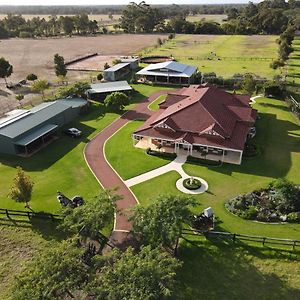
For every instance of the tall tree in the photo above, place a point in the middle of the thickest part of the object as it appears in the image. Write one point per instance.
(249, 84)
(161, 222)
(149, 274)
(59, 65)
(56, 273)
(89, 219)
(6, 69)
(21, 189)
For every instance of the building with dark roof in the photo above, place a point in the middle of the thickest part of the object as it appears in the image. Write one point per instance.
(205, 121)
(22, 132)
(168, 72)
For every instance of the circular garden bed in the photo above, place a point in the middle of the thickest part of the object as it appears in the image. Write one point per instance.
(191, 183)
(279, 202)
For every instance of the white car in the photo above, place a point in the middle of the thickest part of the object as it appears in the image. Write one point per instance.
(73, 132)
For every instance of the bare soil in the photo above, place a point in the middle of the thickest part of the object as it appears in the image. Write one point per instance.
(36, 56)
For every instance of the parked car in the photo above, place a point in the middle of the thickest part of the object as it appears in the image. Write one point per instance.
(73, 132)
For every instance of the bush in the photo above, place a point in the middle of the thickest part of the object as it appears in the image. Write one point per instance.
(31, 77)
(99, 76)
(293, 217)
(116, 101)
(203, 162)
(194, 185)
(250, 150)
(250, 213)
(25, 35)
(273, 89)
(165, 155)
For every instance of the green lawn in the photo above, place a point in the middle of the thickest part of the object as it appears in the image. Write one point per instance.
(61, 165)
(294, 69)
(154, 106)
(216, 269)
(127, 160)
(237, 53)
(278, 137)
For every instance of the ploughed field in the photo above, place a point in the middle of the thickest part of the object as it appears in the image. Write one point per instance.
(36, 55)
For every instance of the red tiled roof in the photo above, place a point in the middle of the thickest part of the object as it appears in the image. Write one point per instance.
(206, 114)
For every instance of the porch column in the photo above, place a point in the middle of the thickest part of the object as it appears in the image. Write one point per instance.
(155, 78)
(240, 160)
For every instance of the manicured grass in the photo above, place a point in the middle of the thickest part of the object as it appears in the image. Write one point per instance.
(278, 137)
(220, 270)
(155, 104)
(238, 54)
(61, 165)
(294, 70)
(127, 160)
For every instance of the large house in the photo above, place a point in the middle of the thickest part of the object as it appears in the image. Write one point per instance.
(168, 72)
(205, 121)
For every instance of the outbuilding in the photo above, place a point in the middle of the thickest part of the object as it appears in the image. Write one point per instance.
(117, 72)
(23, 132)
(169, 72)
(99, 91)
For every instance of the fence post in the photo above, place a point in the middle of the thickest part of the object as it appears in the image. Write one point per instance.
(233, 237)
(7, 213)
(28, 214)
(294, 245)
(264, 240)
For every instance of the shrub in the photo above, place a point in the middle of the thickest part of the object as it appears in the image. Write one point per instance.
(273, 89)
(31, 77)
(250, 213)
(116, 101)
(99, 76)
(25, 35)
(293, 217)
(165, 155)
(250, 150)
(191, 183)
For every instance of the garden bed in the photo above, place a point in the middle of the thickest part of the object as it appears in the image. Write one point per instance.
(166, 155)
(251, 150)
(279, 202)
(203, 162)
(192, 183)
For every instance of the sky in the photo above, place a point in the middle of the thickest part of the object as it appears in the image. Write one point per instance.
(105, 2)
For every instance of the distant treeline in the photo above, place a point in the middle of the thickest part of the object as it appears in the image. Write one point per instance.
(114, 9)
(267, 17)
(17, 26)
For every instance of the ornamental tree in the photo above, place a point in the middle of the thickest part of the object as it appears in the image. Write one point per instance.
(116, 101)
(21, 189)
(89, 219)
(161, 222)
(40, 86)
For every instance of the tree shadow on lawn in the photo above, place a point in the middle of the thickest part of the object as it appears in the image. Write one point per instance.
(220, 271)
(45, 228)
(51, 153)
(276, 142)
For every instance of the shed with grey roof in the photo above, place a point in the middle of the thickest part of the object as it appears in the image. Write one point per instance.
(170, 72)
(24, 131)
(99, 91)
(117, 71)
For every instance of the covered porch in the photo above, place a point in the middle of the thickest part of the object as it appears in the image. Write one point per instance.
(199, 151)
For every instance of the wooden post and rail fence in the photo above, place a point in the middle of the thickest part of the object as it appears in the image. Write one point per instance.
(9, 213)
(234, 237)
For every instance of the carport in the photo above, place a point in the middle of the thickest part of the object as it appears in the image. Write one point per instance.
(36, 139)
